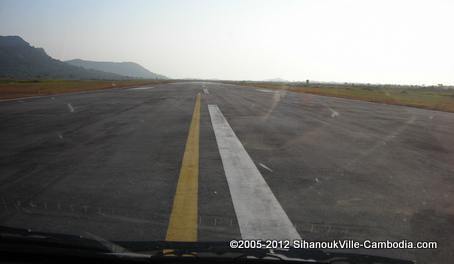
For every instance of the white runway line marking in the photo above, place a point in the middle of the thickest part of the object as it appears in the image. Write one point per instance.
(205, 90)
(259, 214)
(265, 90)
(265, 167)
(141, 88)
(334, 113)
(70, 107)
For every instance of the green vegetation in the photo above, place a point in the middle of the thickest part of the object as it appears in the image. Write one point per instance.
(435, 98)
(26, 88)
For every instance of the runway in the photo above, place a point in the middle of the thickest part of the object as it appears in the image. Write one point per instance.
(227, 162)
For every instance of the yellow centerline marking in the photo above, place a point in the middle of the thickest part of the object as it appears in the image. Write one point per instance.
(183, 219)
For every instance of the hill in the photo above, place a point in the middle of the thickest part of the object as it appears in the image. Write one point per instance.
(19, 60)
(123, 68)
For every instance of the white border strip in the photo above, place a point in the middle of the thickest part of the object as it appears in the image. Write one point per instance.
(142, 88)
(259, 214)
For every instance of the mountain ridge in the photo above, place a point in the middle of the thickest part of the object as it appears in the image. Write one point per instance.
(20, 60)
(131, 69)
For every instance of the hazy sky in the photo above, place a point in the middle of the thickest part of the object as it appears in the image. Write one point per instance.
(363, 41)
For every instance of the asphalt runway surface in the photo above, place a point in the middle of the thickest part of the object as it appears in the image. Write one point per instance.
(213, 162)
